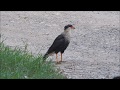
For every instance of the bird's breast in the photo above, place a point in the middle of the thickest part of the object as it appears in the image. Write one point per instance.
(67, 38)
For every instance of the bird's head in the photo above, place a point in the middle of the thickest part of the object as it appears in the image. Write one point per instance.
(68, 27)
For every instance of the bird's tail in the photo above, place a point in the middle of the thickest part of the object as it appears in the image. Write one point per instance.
(45, 56)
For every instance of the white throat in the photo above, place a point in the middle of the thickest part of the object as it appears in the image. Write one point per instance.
(67, 34)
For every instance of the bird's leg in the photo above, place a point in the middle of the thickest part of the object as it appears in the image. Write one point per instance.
(61, 57)
(57, 58)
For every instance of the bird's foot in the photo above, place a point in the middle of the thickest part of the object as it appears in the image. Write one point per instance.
(62, 61)
(58, 62)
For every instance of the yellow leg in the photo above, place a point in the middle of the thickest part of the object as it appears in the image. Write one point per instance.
(61, 57)
(57, 58)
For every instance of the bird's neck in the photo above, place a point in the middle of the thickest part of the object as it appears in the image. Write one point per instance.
(67, 34)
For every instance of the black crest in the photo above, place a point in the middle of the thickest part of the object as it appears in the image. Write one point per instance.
(67, 26)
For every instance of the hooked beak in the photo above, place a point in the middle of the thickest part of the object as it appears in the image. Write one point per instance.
(73, 27)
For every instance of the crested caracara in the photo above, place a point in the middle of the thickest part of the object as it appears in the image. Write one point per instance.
(60, 43)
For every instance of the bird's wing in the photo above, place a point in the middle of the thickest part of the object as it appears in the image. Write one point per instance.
(57, 42)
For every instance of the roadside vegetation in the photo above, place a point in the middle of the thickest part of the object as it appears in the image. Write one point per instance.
(20, 64)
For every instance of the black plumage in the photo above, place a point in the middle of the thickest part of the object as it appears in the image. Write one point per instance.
(60, 43)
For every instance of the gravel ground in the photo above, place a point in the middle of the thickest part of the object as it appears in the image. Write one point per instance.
(94, 49)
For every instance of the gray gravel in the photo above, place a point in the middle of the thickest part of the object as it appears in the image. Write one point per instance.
(94, 49)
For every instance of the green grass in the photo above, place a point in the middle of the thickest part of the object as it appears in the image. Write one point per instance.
(19, 64)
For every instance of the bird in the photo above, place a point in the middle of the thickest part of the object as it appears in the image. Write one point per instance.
(60, 43)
